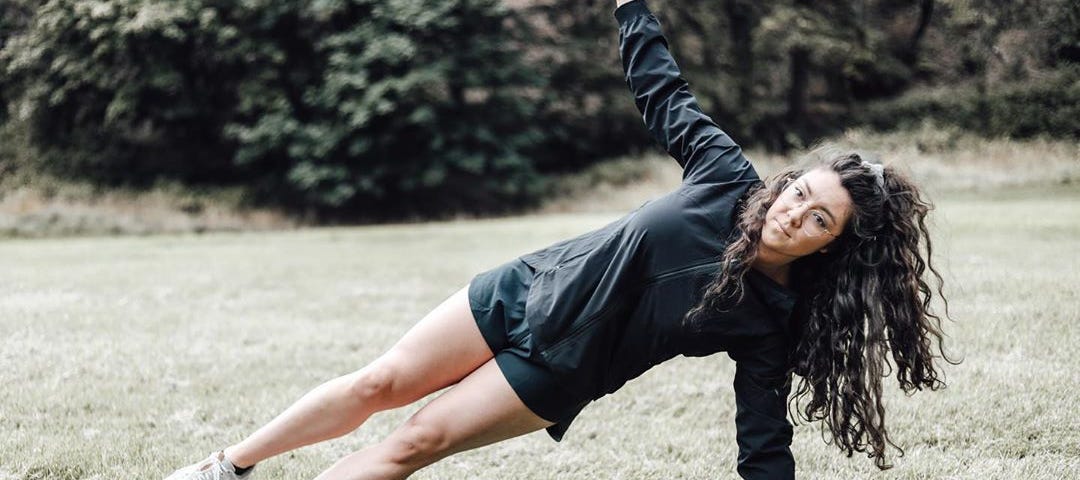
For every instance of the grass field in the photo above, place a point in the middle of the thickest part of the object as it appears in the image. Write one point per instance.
(127, 357)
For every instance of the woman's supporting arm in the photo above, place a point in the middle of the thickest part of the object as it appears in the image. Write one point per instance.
(671, 113)
(762, 429)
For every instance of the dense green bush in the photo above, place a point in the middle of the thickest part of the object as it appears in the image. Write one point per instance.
(14, 16)
(124, 91)
(1048, 106)
(390, 108)
(362, 107)
(418, 107)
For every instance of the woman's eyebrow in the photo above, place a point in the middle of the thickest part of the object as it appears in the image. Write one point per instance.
(823, 207)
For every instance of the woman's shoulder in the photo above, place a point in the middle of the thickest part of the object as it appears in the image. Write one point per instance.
(717, 200)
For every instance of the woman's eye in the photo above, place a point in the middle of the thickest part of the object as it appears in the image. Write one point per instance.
(820, 220)
(798, 192)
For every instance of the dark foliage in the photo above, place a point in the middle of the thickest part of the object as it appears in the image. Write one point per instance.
(391, 108)
(377, 109)
(355, 108)
(1049, 106)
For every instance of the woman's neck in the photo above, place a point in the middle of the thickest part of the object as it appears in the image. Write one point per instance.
(773, 266)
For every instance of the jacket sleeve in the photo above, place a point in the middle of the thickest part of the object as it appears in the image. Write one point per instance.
(670, 112)
(762, 429)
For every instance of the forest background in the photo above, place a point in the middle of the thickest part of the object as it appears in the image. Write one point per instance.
(331, 111)
(125, 355)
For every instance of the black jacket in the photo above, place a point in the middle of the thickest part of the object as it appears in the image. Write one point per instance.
(608, 305)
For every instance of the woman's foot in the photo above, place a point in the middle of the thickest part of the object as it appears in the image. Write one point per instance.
(215, 467)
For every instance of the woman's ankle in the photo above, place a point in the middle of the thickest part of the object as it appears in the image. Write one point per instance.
(238, 461)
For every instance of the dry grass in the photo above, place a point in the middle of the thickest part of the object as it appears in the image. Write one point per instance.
(125, 357)
(128, 356)
(47, 207)
(944, 161)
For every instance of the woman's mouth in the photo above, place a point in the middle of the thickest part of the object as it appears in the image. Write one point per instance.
(781, 227)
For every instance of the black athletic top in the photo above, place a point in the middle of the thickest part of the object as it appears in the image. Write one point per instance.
(606, 306)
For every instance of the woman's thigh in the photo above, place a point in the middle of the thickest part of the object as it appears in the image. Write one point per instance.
(440, 350)
(480, 410)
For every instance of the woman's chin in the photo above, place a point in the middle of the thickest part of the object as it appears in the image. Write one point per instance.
(775, 243)
(774, 237)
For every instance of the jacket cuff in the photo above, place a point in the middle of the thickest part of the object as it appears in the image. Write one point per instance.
(629, 11)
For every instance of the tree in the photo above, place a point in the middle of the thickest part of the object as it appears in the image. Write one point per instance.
(361, 108)
(413, 107)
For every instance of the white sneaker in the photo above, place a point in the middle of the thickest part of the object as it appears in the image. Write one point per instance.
(215, 467)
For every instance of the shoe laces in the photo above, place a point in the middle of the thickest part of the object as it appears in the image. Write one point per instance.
(215, 467)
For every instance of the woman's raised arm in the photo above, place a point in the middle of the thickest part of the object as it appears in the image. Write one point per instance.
(671, 113)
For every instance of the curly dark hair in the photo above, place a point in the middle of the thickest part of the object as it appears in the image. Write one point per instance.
(862, 298)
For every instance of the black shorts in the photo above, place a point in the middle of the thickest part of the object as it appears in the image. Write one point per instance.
(497, 299)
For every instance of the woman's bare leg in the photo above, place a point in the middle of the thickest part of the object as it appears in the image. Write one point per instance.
(440, 350)
(481, 410)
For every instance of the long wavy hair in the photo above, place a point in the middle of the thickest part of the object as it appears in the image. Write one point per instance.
(862, 299)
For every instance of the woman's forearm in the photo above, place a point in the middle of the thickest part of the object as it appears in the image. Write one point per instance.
(670, 112)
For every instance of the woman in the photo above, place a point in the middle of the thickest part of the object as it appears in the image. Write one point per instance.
(818, 272)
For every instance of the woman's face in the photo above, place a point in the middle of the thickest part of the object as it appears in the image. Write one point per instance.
(808, 215)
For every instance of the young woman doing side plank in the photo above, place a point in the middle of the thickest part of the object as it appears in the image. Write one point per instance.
(818, 271)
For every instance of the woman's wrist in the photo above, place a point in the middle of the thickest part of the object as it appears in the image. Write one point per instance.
(630, 9)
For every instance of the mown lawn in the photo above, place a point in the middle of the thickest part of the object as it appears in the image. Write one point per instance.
(128, 357)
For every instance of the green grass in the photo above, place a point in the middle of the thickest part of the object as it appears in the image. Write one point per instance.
(127, 357)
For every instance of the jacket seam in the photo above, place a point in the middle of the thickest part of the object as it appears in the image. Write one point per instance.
(685, 194)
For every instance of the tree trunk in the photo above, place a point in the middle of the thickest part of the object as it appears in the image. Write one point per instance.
(800, 82)
(797, 92)
(911, 52)
(740, 21)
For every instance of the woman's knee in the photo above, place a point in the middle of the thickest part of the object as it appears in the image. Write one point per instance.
(374, 383)
(419, 442)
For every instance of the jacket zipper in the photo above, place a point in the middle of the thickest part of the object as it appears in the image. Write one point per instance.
(679, 271)
(577, 330)
(581, 327)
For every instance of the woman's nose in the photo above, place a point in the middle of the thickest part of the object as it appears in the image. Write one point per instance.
(796, 213)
